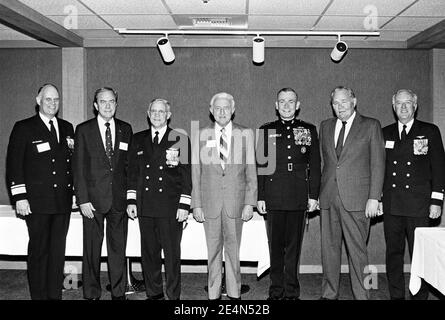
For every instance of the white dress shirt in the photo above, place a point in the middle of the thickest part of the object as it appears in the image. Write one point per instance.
(55, 124)
(408, 127)
(160, 131)
(338, 126)
(228, 132)
(102, 128)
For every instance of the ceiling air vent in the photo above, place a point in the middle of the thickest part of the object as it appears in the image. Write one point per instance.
(219, 22)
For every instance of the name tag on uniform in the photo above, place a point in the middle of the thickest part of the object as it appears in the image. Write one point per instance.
(211, 144)
(140, 153)
(389, 145)
(123, 146)
(42, 147)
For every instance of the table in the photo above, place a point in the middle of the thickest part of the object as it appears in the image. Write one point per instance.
(254, 246)
(428, 260)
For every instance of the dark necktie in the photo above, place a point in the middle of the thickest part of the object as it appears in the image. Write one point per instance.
(53, 133)
(340, 139)
(403, 133)
(223, 149)
(156, 138)
(108, 142)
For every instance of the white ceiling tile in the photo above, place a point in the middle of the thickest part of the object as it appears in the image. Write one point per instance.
(411, 24)
(212, 7)
(283, 22)
(283, 7)
(83, 22)
(357, 7)
(126, 6)
(10, 34)
(141, 21)
(346, 23)
(56, 7)
(433, 8)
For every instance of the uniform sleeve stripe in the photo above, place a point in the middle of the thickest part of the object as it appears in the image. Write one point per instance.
(437, 195)
(131, 194)
(19, 189)
(185, 199)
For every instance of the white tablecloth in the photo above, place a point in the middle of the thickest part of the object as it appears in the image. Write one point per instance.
(428, 260)
(254, 247)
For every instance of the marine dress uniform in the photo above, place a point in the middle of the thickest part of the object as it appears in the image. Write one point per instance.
(414, 180)
(294, 147)
(39, 170)
(159, 184)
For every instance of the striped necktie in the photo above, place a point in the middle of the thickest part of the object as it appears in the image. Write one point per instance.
(223, 150)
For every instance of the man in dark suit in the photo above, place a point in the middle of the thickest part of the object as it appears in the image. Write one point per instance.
(413, 188)
(100, 180)
(159, 194)
(353, 165)
(288, 192)
(40, 180)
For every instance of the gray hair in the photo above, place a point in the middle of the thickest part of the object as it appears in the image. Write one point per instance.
(165, 102)
(411, 93)
(223, 95)
(339, 88)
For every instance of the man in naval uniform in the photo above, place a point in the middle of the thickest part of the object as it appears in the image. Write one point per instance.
(413, 188)
(289, 192)
(41, 184)
(159, 193)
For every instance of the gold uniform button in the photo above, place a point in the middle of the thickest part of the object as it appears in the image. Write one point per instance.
(288, 136)
(288, 147)
(408, 163)
(146, 189)
(407, 186)
(69, 185)
(160, 190)
(53, 160)
(289, 157)
(54, 172)
(161, 167)
(288, 128)
(395, 162)
(408, 175)
(160, 178)
(147, 177)
(55, 185)
(393, 173)
(148, 166)
(393, 185)
(67, 160)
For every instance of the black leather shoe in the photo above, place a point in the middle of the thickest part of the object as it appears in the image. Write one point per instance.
(274, 298)
(156, 297)
(92, 299)
(394, 298)
(232, 298)
(291, 298)
(219, 298)
(119, 298)
(323, 298)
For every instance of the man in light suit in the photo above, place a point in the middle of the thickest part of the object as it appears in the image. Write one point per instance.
(353, 167)
(224, 191)
(100, 179)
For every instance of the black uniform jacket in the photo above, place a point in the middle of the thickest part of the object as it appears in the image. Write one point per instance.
(95, 179)
(39, 170)
(294, 149)
(415, 170)
(159, 179)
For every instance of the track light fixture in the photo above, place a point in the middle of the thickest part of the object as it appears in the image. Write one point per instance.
(258, 42)
(166, 50)
(339, 50)
(258, 49)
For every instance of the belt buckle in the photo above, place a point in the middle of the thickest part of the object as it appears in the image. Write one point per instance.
(289, 167)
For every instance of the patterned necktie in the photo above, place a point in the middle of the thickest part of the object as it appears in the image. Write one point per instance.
(53, 133)
(340, 139)
(403, 134)
(156, 138)
(223, 150)
(108, 142)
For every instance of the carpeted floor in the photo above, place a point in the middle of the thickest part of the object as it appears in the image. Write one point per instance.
(14, 286)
